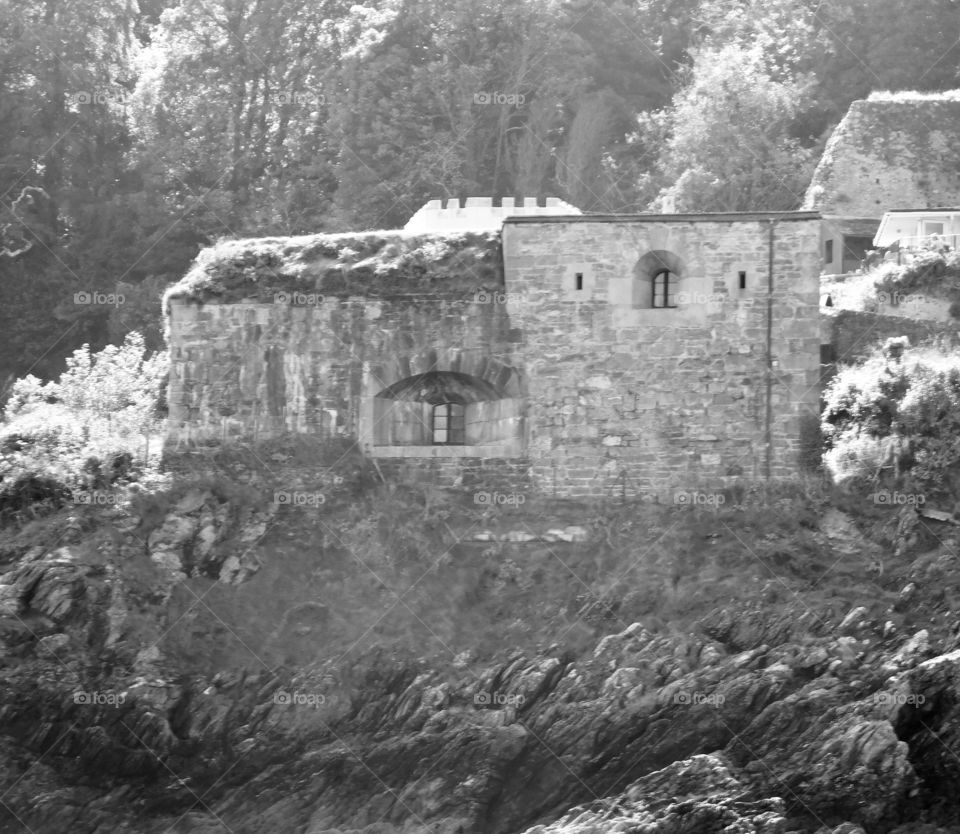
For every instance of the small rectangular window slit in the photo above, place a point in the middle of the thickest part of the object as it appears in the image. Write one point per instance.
(743, 280)
(579, 280)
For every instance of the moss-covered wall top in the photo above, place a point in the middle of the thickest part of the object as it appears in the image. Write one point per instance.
(890, 152)
(373, 264)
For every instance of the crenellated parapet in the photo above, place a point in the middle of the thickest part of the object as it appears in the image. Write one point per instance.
(481, 213)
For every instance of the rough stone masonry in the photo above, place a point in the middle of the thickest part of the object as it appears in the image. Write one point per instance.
(633, 355)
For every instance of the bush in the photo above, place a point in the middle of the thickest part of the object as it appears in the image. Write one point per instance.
(87, 428)
(935, 271)
(897, 409)
(31, 495)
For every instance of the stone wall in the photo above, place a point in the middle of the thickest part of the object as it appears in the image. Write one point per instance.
(257, 370)
(655, 399)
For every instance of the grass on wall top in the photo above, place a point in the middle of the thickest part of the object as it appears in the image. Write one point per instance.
(379, 264)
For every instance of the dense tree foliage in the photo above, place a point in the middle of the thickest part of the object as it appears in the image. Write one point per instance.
(132, 135)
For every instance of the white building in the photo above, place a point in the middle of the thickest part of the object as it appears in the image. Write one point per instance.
(912, 228)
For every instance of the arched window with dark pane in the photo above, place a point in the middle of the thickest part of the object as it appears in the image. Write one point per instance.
(657, 280)
(664, 287)
(448, 425)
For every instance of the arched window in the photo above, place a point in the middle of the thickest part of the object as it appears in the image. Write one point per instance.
(657, 279)
(664, 287)
(448, 426)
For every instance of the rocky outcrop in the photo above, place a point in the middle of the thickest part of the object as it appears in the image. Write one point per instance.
(651, 733)
(764, 719)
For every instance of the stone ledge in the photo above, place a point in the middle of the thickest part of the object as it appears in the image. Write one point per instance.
(504, 450)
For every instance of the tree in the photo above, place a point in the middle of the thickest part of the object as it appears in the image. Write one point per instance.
(728, 145)
(229, 110)
(62, 140)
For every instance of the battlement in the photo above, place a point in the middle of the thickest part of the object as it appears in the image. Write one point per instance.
(483, 213)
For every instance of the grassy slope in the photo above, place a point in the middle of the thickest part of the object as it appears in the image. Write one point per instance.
(394, 568)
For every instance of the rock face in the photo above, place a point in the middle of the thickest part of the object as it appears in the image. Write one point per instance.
(759, 720)
(647, 734)
(697, 794)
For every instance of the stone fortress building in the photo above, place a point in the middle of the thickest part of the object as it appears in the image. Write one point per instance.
(539, 347)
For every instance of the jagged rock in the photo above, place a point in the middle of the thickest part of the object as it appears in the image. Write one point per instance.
(841, 530)
(521, 536)
(615, 642)
(573, 533)
(253, 531)
(911, 653)
(238, 569)
(167, 541)
(695, 795)
(906, 594)
(207, 534)
(117, 612)
(10, 601)
(761, 739)
(193, 501)
(830, 759)
(856, 621)
(739, 630)
(49, 588)
(53, 645)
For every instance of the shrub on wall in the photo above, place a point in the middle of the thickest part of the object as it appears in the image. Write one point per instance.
(386, 263)
(934, 271)
(897, 410)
